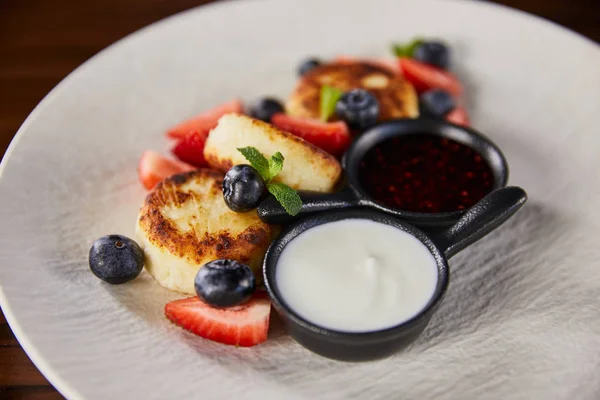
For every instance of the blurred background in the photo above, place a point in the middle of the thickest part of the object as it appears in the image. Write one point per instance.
(42, 41)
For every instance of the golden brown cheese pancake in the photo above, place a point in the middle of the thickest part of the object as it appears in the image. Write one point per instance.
(397, 97)
(306, 167)
(185, 223)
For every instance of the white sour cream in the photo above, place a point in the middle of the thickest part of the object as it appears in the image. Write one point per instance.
(356, 275)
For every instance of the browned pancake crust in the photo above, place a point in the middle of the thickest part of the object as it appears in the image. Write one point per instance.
(242, 246)
(397, 97)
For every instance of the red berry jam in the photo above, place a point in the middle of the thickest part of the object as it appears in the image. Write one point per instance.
(425, 173)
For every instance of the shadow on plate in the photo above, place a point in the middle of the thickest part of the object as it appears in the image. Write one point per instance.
(497, 278)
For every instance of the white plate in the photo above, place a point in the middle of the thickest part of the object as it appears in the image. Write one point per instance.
(521, 318)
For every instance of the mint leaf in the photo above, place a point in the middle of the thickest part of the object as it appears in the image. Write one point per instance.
(329, 97)
(257, 160)
(275, 165)
(269, 169)
(287, 197)
(406, 49)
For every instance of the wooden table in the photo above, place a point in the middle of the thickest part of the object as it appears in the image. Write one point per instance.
(42, 41)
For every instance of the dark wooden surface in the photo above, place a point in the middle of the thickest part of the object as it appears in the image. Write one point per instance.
(41, 41)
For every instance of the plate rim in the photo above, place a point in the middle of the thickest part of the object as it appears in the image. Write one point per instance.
(58, 382)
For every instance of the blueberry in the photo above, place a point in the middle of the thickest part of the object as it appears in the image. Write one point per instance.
(265, 108)
(243, 188)
(434, 53)
(359, 108)
(224, 283)
(437, 103)
(116, 259)
(307, 65)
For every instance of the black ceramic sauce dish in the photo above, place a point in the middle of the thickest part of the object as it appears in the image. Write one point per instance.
(353, 194)
(489, 213)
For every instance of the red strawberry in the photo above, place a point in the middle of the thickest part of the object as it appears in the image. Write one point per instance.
(425, 77)
(190, 149)
(244, 325)
(333, 137)
(458, 116)
(154, 167)
(388, 63)
(206, 121)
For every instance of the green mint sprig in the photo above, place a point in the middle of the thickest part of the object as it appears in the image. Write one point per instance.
(406, 49)
(329, 97)
(269, 169)
(258, 161)
(286, 196)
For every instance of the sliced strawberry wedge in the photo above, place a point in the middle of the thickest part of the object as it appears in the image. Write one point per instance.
(387, 63)
(244, 325)
(425, 77)
(458, 116)
(205, 121)
(155, 167)
(190, 149)
(333, 137)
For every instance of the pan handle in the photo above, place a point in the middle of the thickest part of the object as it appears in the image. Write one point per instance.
(271, 212)
(485, 216)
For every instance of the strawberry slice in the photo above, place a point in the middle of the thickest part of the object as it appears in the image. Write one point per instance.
(190, 149)
(244, 325)
(458, 116)
(155, 167)
(425, 77)
(205, 121)
(388, 63)
(333, 137)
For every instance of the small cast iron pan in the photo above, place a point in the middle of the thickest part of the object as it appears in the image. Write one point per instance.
(479, 220)
(353, 194)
